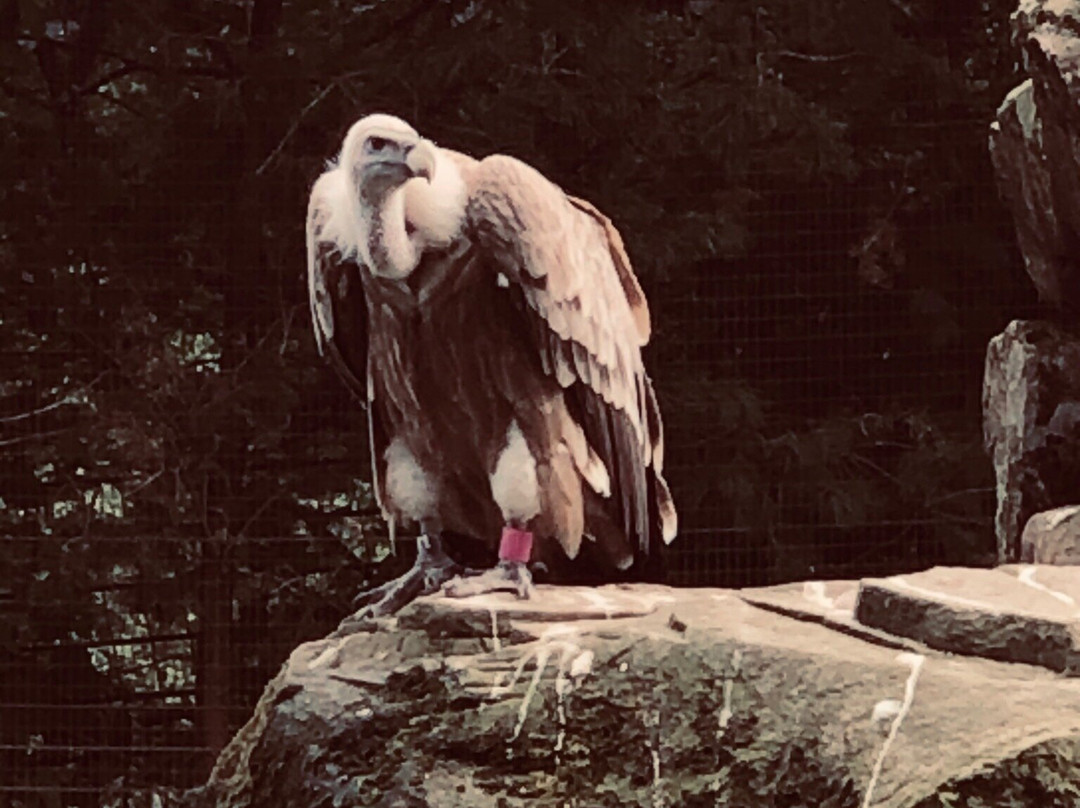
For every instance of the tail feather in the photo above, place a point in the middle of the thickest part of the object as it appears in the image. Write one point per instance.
(655, 425)
(665, 506)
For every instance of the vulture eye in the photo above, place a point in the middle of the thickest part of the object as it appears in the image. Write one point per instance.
(378, 143)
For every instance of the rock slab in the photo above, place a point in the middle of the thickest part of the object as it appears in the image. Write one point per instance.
(988, 613)
(692, 698)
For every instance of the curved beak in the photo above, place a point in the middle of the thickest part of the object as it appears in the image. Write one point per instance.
(421, 159)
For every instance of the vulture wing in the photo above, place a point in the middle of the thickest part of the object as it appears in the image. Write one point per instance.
(338, 308)
(590, 321)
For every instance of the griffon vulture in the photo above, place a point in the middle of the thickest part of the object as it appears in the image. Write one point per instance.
(494, 327)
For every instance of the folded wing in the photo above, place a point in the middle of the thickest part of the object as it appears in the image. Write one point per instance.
(590, 321)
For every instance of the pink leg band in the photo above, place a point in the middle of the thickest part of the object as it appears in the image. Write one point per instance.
(516, 545)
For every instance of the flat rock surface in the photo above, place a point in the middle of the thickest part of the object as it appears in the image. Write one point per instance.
(830, 603)
(1060, 583)
(691, 697)
(562, 603)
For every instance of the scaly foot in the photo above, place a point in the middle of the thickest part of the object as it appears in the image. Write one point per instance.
(432, 569)
(506, 576)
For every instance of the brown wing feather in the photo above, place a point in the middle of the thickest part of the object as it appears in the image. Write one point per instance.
(590, 320)
(635, 297)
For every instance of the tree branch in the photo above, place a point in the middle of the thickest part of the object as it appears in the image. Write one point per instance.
(35, 436)
(22, 416)
(816, 57)
(108, 78)
(296, 125)
(258, 512)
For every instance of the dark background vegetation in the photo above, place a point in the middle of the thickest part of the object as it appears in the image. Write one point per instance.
(804, 188)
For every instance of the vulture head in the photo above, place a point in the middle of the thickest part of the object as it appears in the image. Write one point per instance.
(382, 153)
(403, 195)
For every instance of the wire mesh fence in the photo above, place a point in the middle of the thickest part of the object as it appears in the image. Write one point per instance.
(865, 407)
(184, 495)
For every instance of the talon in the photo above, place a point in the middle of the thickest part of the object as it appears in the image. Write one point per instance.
(506, 576)
(370, 596)
(432, 569)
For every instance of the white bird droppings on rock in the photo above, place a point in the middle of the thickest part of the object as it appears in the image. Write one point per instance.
(582, 665)
(915, 663)
(1026, 576)
(328, 654)
(884, 712)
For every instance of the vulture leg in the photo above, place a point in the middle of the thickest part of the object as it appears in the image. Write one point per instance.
(516, 490)
(432, 569)
(511, 574)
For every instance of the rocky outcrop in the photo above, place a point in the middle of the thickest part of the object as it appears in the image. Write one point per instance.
(1031, 424)
(1036, 152)
(1052, 537)
(656, 697)
(1031, 392)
